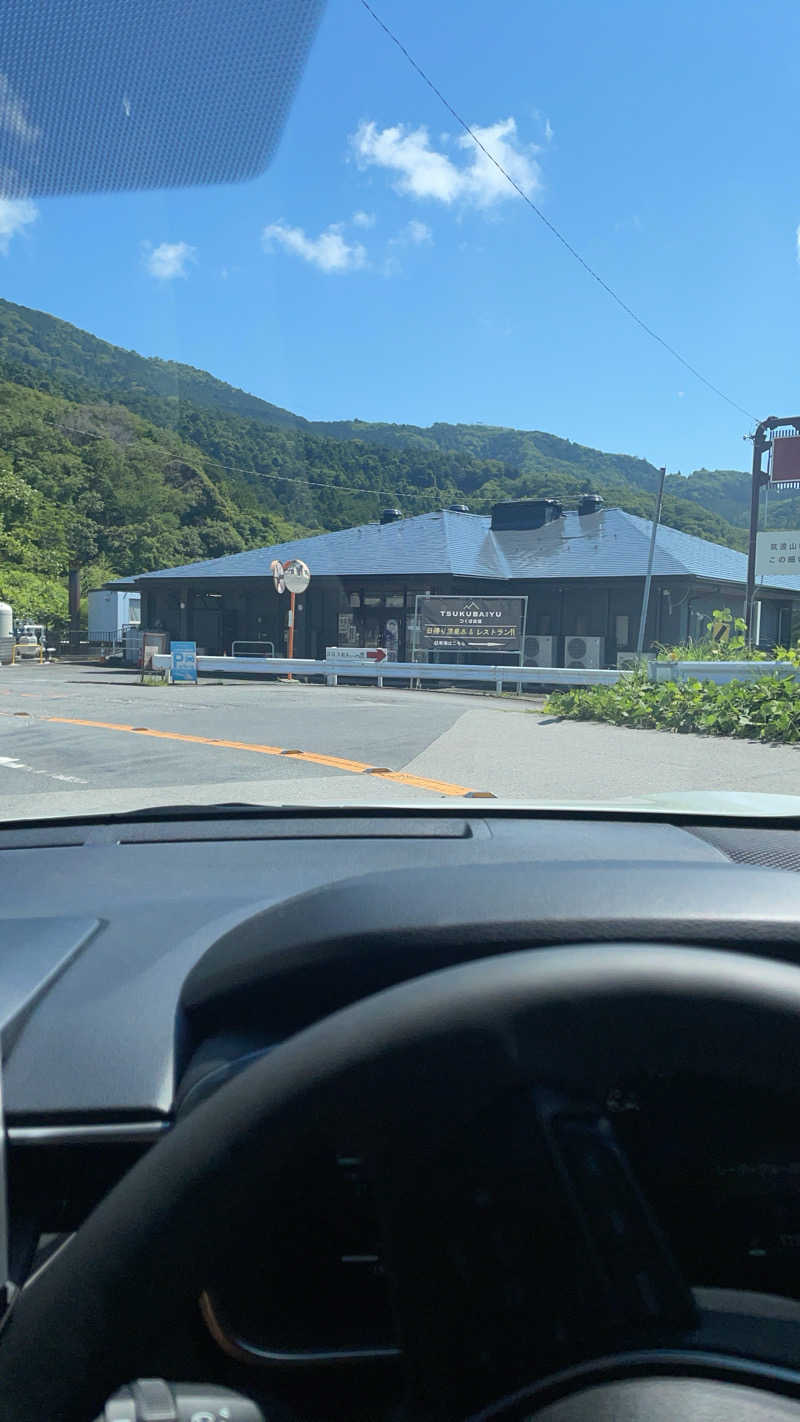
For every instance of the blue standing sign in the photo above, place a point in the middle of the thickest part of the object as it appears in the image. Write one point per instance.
(184, 661)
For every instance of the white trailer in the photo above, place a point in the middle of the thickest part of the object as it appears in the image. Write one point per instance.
(111, 611)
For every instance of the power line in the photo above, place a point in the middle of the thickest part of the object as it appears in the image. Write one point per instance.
(551, 225)
(379, 494)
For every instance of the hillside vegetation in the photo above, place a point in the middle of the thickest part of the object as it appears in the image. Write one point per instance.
(95, 486)
(120, 463)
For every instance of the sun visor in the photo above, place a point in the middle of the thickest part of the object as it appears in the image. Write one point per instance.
(110, 95)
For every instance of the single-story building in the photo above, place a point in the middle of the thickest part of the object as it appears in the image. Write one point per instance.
(581, 570)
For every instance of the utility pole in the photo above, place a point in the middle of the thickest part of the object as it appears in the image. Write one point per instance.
(74, 601)
(759, 479)
(650, 559)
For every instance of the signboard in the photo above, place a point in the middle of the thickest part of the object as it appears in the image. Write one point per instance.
(152, 643)
(785, 462)
(184, 661)
(778, 552)
(471, 624)
(347, 630)
(355, 654)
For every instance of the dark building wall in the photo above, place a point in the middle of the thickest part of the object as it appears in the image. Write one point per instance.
(775, 626)
(608, 609)
(702, 605)
(216, 613)
(335, 612)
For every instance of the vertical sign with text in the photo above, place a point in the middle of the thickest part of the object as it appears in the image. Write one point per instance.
(184, 661)
(778, 552)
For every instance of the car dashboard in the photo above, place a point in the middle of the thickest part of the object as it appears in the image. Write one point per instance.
(146, 960)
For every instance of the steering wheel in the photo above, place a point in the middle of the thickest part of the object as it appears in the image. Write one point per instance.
(518, 1243)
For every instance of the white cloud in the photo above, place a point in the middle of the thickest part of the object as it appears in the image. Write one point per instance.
(484, 182)
(414, 234)
(363, 219)
(548, 131)
(420, 171)
(13, 117)
(15, 215)
(418, 232)
(330, 252)
(169, 260)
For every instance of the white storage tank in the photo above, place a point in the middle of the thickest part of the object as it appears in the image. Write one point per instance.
(6, 633)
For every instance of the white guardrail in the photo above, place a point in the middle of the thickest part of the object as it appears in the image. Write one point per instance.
(331, 671)
(416, 672)
(719, 672)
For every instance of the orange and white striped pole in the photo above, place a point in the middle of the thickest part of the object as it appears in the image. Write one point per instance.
(290, 646)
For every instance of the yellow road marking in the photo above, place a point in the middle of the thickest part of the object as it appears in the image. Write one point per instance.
(336, 762)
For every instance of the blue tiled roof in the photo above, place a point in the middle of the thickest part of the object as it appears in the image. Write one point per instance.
(608, 544)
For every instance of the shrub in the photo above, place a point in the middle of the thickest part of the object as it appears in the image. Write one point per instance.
(725, 640)
(763, 710)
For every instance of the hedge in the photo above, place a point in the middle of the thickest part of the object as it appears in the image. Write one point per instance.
(763, 710)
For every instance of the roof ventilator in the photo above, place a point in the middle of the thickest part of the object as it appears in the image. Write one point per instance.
(525, 513)
(589, 504)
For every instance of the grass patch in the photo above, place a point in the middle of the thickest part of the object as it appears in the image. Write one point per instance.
(764, 710)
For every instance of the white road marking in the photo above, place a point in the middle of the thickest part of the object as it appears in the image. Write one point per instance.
(11, 763)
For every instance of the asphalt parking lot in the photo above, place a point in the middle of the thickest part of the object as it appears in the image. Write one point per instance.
(90, 738)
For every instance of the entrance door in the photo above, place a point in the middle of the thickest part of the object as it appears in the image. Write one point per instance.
(393, 637)
(230, 630)
(383, 627)
(208, 630)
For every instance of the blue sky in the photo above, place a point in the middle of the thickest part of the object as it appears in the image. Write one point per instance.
(380, 270)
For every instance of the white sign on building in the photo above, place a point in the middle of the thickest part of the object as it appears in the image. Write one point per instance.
(778, 552)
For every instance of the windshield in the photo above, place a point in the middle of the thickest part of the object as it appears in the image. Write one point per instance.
(397, 407)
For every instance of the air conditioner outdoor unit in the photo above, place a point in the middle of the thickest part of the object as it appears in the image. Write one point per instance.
(541, 651)
(584, 651)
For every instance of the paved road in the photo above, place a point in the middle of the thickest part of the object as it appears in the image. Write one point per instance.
(76, 739)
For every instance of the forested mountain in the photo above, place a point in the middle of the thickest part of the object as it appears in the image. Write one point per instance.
(726, 492)
(80, 365)
(94, 486)
(524, 451)
(121, 463)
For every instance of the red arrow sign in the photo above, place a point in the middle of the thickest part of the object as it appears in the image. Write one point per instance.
(378, 654)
